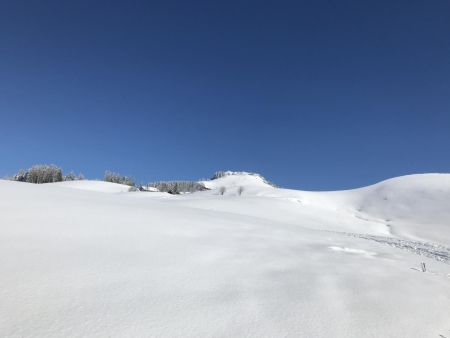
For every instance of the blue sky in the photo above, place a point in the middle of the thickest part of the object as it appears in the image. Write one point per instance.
(312, 94)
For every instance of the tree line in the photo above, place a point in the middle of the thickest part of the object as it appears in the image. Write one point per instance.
(49, 173)
(176, 187)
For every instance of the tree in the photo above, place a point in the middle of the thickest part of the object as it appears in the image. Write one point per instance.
(177, 187)
(240, 190)
(117, 178)
(21, 176)
(73, 177)
(44, 173)
(222, 190)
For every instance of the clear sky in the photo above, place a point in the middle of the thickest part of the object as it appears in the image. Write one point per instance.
(311, 94)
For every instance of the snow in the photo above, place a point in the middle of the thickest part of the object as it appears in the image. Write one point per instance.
(99, 186)
(237, 179)
(151, 189)
(354, 251)
(90, 259)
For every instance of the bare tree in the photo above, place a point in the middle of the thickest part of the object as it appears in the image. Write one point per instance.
(240, 190)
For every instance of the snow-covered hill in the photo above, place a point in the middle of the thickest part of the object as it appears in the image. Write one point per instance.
(244, 259)
(101, 186)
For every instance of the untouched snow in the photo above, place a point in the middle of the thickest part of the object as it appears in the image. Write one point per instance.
(100, 186)
(90, 259)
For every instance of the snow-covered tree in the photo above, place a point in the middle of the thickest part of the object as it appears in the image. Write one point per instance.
(44, 173)
(73, 177)
(118, 178)
(177, 187)
(21, 176)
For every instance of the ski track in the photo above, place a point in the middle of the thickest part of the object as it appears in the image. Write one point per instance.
(427, 249)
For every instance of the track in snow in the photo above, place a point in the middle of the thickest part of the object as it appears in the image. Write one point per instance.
(427, 249)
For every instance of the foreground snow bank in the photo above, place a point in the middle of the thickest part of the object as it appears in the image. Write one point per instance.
(266, 263)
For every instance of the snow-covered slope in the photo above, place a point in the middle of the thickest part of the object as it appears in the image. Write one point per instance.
(259, 262)
(415, 206)
(99, 186)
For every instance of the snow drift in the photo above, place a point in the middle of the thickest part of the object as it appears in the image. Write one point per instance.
(90, 259)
